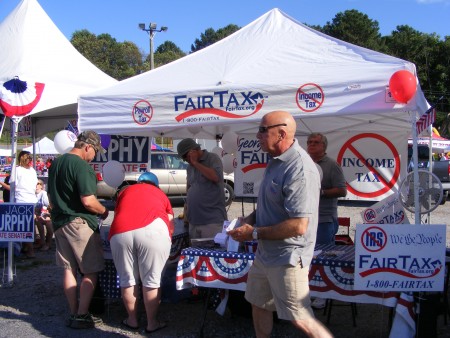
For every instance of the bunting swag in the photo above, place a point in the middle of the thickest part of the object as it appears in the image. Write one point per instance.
(18, 98)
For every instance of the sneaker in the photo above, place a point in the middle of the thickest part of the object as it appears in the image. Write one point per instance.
(86, 321)
(318, 303)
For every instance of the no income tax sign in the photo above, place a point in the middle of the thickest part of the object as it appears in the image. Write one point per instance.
(371, 165)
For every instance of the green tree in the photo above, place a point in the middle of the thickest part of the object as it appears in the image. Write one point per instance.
(166, 53)
(355, 27)
(211, 36)
(119, 60)
(424, 51)
(133, 59)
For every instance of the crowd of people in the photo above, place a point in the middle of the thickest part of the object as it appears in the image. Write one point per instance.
(297, 208)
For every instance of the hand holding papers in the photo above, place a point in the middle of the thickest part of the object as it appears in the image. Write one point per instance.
(224, 240)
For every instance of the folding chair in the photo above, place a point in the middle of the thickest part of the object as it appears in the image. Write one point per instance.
(344, 239)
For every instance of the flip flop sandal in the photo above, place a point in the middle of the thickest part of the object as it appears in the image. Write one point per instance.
(128, 326)
(161, 325)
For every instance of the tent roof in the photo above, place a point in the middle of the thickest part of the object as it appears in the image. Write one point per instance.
(34, 49)
(5, 152)
(264, 66)
(44, 146)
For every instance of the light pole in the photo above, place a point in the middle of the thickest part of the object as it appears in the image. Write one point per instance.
(151, 30)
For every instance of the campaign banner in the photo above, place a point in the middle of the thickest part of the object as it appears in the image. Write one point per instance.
(400, 257)
(24, 127)
(131, 151)
(16, 222)
(251, 163)
(389, 210)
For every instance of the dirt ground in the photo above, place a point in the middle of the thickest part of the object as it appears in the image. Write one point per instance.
(35, 306)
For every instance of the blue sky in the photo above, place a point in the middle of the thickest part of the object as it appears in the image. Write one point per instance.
(188, 19)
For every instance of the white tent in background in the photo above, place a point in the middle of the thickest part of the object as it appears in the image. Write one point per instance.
(34, 49)
(439, 144)
(5, 152)
(44, 146)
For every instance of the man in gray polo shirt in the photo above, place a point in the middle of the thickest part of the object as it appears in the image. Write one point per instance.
(205, 195)
(285, 224)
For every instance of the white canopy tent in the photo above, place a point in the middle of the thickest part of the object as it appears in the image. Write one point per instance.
(44, 146)
(34, 49)
(273, 63)
(5, 152)
(438, 143)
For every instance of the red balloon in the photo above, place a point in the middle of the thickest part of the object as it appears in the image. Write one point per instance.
(403, 86)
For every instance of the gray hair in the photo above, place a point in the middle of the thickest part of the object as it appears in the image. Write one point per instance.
(322, 137)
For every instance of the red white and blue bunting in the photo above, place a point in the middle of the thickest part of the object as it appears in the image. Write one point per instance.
(18, 98)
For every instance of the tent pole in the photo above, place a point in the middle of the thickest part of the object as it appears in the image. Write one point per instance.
(417, 219)
(430, 165)
(14, 130)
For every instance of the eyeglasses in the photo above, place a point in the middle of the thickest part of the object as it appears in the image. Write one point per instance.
(313, 142)
(262, 129)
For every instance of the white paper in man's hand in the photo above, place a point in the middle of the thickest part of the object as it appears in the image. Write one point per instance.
(233, 224)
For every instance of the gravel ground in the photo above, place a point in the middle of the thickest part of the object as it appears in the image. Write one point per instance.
(36, 307)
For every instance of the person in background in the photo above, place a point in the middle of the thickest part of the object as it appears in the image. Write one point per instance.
(43, 221)
(25, 189)
(6, 188)
(333, 185)
(72, 184)
(48, 163)
(285, 225)
(39, 166)
(442, 157)
(140, 238)
(205, 190)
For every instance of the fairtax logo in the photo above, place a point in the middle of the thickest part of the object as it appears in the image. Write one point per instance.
(220, 104)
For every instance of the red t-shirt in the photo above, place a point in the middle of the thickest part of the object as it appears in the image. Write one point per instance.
(139, 205)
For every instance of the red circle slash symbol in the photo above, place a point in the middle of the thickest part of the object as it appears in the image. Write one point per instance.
(142, 112)
(309, 97)
(374, 239)
(378, 171)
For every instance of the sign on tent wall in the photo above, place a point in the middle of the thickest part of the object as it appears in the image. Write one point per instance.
(373, 163)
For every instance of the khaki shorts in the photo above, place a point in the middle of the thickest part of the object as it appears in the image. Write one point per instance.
(284, 289)
(78, 246)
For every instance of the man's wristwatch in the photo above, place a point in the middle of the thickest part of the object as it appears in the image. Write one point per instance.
(255, 233)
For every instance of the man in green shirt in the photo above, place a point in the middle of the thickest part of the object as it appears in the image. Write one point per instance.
(72, 185)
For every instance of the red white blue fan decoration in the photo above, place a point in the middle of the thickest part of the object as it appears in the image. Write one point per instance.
(18, 98)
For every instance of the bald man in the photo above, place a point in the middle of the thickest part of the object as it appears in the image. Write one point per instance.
(285, 224)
